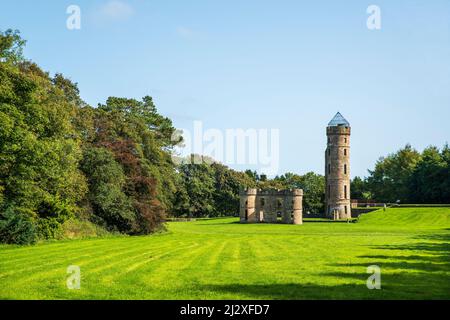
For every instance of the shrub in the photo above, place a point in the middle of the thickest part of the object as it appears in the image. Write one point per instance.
(52, 212)
(80, 229)
(16, 227)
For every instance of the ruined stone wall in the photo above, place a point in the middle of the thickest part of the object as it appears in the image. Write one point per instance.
(337, 173)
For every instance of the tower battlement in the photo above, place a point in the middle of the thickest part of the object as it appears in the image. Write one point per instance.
(248, 191)
(338, 130)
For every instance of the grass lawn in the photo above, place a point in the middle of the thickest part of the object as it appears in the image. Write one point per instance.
(222, 259)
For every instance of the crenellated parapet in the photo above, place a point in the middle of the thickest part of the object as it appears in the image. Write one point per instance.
(339, 130)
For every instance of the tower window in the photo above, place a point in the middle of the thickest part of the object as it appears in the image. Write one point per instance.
(345, 192)
(329, 168)
(329, 191)
(345, 169)
(345, 207)
(345, 152)
(345, 140)
(329, 151)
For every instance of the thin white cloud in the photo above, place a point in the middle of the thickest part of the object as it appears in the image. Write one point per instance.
(116, 10)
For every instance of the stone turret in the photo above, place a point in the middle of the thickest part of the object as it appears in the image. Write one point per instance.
(247, 207)
(337, 169)
(297, 206)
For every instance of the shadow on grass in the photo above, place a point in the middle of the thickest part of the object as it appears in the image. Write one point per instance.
(292, 291)
(223, 223)
(422, 274)
(393, 286)
(406, 285)
(305, 221)
(419, 270)
(323, 220)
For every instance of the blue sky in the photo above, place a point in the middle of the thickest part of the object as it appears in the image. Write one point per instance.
(260, 64)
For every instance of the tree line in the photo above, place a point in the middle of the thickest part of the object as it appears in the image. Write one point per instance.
(408, 176)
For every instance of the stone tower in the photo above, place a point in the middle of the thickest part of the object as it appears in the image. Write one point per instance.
(337, 169)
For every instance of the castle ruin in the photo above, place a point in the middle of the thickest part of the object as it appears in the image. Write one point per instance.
(266, 205)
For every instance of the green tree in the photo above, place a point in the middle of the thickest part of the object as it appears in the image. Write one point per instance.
(313, 186)
(111, 206)
(429, 177)
(38, 156)
(445, 186)
(358, 187)
(11, 46)
(140, 140)
(198, 179)
(228, 183)
(389, 181)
